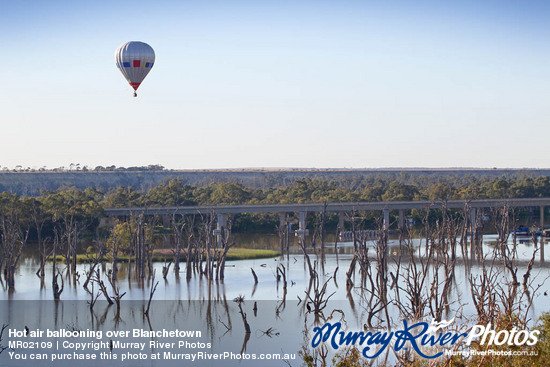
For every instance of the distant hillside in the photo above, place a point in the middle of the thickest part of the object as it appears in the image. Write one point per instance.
(30, 183)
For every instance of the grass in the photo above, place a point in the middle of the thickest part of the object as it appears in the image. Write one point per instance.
(161, 255)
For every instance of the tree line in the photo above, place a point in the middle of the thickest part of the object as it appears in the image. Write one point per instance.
(77, 167)
(86, 206)
(315, 190)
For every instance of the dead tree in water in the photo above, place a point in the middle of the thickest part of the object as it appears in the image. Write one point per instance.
(166, 268)
(240, 300)
(141, 244)
(319, 298)
(45, 253)
(382, 252)
(282, 232)
(205, 246)
(13, 238)
(151, 294)
(496, 292)
(415, 276)
(189, 229)
(282, 271)
(515, 300)
(55, 286)
(71, 232)
(312, 272)
(476, 236)
(444, 241)
(464, 234)
(96, 258)
(93, 298)
(4, 327)
(178, 225)
(482, 290)
(137, 244)
(221, 255)
(254, 275)
(360, 254)
(501, 218)
(117, 297)
(319, 233)
(56, 289)
(114, 243)
(39, 219)
(351, 270)
(373, 285)
(97, 279)
(322, 229)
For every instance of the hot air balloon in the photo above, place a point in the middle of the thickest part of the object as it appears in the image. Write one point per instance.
(134, 60)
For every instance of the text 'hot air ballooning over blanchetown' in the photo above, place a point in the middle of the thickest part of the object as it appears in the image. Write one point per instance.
(134, 60)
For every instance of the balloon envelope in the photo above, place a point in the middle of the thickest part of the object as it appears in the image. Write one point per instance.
(134, 60)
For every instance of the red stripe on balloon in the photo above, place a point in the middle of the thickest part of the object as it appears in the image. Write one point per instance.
(135, 85)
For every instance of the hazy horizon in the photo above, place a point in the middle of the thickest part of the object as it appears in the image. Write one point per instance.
(90, 168)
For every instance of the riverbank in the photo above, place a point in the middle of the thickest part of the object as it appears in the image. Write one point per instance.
(167, 255)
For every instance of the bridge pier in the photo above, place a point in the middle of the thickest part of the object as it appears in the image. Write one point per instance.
(282, 220)
(473, 232)
(472, 219)
(283, 232)
(166, 221)
(220, 228)
(401, 223)
(341, 223)
(302, 231)
(386, 223)
(302, 222)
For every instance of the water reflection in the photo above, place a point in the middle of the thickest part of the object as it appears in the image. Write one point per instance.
(269, 271)
(283, 302)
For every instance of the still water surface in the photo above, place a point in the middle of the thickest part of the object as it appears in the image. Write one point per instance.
(194, 304)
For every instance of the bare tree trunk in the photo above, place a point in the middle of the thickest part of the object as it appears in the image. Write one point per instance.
(55, 286)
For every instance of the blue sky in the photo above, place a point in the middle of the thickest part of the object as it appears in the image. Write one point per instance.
(277, 84)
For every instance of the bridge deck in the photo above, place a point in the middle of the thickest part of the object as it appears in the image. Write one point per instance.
(330, 207)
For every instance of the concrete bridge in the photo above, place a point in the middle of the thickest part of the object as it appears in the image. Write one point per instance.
(341, 208)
